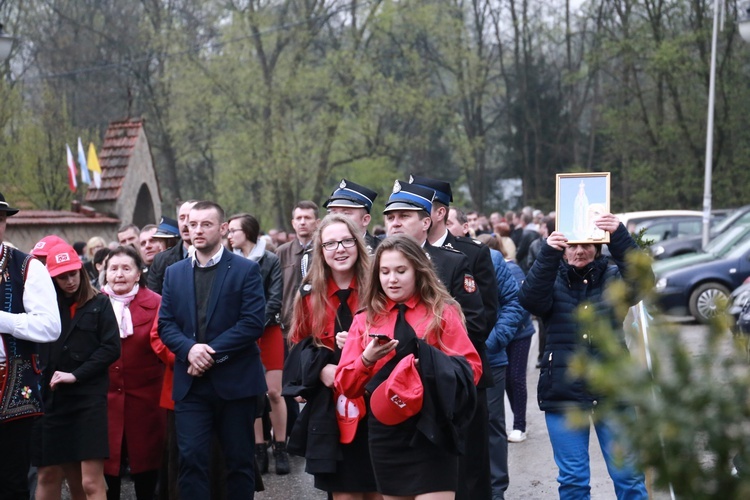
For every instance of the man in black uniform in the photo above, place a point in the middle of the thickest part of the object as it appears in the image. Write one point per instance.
(355, 202)
(408, 212)
(474, 468)
(175, 254)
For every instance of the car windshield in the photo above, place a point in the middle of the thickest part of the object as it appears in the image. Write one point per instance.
(726, 241)
(740, 249)
(739, 216)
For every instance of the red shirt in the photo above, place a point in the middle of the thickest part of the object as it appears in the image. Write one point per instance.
(352, 375)
(327, 336)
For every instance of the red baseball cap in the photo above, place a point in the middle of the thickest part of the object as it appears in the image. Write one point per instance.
(400, 395)
(62, 258)
(348, 413)
(42, 248)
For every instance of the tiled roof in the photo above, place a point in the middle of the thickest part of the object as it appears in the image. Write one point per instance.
(119, 143)
(57, 217)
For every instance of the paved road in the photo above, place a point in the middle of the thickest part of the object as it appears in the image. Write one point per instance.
(531, 466)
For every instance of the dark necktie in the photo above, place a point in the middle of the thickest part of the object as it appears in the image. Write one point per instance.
(343, 313)
(402, 331)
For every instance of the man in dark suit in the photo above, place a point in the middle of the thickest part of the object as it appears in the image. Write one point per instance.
(175, 254)
(211, 316)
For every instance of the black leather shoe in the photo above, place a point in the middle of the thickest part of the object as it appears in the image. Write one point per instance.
(281, 458)
(261, 456)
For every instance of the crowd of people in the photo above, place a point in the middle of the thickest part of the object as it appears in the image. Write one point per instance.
(196, 353)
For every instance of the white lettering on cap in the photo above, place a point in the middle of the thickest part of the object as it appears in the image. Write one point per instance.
(399, 402)
(63, 257)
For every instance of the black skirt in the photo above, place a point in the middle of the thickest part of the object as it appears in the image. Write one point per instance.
(354, 471)
(72, 429)
(405, 470)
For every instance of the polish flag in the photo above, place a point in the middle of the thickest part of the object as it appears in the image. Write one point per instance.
(72, 183)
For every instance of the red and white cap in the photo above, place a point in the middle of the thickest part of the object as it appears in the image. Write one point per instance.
(61, 259)
(42, 248)
(400, 396)
(348, 414)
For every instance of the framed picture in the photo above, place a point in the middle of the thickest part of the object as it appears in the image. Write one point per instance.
(580, 200)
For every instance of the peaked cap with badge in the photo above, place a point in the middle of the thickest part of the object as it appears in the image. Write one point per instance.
(350, 194)
(410, 197)
(442, 189)
(167, 228)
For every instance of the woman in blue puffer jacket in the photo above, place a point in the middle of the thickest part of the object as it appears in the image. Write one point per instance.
(564, 277)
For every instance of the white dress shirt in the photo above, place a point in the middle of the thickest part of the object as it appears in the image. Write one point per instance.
(212, 261)
(41, 321)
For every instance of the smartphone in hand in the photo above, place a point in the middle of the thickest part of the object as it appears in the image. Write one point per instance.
(382, 338)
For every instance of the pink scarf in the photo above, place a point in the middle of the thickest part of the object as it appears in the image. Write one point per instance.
(121, 305)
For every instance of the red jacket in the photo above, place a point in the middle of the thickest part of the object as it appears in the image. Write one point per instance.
(135, 381)
(352, 375)
(167, 357)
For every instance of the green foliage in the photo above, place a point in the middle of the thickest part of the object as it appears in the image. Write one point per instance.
(32, 150)
(692, 407)
(261, 104)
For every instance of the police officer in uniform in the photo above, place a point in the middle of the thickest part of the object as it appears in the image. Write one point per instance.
(354, 201)
(474, 467)
(408, 212)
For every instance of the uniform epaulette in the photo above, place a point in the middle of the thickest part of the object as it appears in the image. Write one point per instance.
(466, 239)
(450, 249)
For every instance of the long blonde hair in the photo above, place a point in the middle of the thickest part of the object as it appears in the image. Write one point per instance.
(427, 285)
(317, 278)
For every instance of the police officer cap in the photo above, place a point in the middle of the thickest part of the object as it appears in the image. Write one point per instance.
(410, 197)
(442, 189)
(167, 229)
(4, 207)
(349, 194)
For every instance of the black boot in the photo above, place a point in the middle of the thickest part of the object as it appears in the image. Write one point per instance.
(261, 456)
(280, 457)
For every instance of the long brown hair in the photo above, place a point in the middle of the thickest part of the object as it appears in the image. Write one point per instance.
(85, 291)
(318, 276)
(427, 285)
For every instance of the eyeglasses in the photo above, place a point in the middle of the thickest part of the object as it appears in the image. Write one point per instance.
(332, 246)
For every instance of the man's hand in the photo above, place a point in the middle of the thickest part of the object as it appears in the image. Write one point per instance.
(61, 378)
(200, 359)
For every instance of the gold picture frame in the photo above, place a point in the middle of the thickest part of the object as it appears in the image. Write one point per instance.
(579, 199)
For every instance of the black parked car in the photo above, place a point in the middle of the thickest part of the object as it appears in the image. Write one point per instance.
(690, 244)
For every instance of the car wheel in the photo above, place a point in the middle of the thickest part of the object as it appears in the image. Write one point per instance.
(706, 301)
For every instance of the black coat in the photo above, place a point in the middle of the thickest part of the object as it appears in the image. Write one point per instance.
(528, 236)
(315, 435)
(452, 268)
(270, 272)
(88, 344)
(162, 260)
(553, 291)
(371, 243)
(449, 400)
